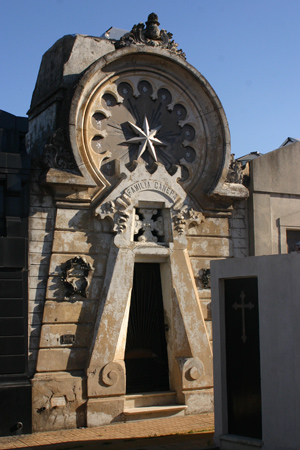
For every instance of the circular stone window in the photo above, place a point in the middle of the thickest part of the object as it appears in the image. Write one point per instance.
(135, 105)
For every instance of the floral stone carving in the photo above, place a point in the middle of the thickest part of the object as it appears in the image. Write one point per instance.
(205, 278)
(150, 35)
(235, 171)
(57, 155)
(76, 276)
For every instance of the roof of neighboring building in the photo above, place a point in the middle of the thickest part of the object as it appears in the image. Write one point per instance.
(249, 157)
(114, 33)
(289, 140)
(253, 155)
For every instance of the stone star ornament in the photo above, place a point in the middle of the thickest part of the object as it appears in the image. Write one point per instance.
(146, 138)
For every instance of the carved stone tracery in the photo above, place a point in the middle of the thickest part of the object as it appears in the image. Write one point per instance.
(147, 225)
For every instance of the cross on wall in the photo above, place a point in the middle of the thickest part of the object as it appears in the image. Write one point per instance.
(243, 307)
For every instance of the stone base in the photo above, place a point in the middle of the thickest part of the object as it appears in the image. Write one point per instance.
(199, 401)
(102, 411)
(58, 401)
(232, 442)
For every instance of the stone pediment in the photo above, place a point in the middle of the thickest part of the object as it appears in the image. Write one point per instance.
(148, 193)
(140, 185)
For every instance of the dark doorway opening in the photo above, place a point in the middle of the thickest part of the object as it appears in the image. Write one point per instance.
(243, 357)
(146, 358)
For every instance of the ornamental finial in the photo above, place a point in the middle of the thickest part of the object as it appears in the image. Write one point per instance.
(152, 31)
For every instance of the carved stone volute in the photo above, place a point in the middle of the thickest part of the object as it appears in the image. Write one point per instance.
(192, 371)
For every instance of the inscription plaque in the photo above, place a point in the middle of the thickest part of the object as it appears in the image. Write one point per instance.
(67, 339)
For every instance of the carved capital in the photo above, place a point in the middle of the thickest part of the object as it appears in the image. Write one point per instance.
(116, 211)
(187, 218)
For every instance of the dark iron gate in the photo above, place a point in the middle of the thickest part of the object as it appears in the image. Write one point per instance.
(146, 357)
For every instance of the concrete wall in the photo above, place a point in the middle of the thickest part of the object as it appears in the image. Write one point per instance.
(274, 203)
(279, 313)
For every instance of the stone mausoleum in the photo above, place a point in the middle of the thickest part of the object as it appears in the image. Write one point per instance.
(133, 192)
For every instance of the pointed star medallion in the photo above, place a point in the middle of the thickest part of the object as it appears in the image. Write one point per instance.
(146, 138)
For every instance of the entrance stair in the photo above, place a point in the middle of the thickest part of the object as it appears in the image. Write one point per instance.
(151, 405)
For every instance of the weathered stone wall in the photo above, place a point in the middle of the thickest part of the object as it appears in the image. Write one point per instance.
(216, 238)
(41, 230)
(238, 224)
(76, 233)
(209, 240)
(73, 232)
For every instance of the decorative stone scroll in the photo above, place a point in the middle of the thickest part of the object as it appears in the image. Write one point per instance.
(150, 35)
(76, 273)
(112, 376)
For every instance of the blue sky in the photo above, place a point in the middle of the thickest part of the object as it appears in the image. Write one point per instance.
(247, 50)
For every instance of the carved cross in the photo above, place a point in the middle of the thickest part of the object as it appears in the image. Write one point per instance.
(243, 306)
(147, 224)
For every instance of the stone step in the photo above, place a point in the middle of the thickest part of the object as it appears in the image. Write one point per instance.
(153, 412)
(150, 399)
